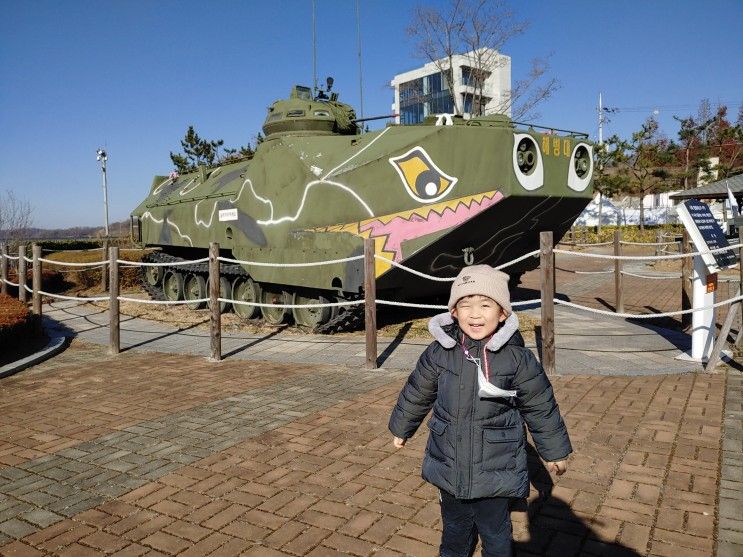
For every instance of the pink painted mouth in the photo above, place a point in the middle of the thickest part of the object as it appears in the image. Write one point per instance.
(400, 229)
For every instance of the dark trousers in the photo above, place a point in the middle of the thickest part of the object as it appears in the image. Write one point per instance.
(464, 519)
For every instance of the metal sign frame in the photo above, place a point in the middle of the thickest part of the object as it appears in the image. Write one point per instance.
(706, 234)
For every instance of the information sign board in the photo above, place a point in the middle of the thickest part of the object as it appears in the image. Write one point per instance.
(706, 234)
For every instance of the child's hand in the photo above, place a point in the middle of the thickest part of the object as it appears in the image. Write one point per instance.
(399, 442)
(558, 467)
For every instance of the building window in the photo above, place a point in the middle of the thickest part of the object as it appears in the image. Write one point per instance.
(467, 78)
(424, 96)
(473, 77)
(474, 104)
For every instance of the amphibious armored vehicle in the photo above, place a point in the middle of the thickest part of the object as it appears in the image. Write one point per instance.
(434, 197)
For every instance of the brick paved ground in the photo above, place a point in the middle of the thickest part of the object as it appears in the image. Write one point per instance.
(163, 454)
(730, 526)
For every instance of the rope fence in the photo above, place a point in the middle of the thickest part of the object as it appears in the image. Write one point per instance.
(546, 253)
(291, 265)
(647, 315)
(626, 243)
(291, 306)
(70, 263)
(648, 257)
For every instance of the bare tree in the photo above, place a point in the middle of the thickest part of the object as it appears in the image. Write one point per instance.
(479, 30)
(529, 92)
(439, 39)
(15, 216)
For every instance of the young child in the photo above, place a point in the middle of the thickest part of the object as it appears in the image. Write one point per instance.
(483, 384)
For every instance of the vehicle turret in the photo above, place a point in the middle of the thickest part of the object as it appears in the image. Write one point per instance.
(303, 114)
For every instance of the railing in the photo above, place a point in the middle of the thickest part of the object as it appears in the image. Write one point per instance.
(547, 300)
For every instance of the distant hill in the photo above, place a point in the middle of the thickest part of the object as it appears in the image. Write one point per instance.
(75, 232)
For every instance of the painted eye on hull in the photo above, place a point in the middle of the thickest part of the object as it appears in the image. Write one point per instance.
(423, 180)
(581, 167)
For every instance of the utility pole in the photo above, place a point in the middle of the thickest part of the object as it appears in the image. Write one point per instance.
(602, 112)
(103, 157)
(314, 49)
(601, 122)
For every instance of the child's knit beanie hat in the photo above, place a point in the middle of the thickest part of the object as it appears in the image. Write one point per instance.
(483, 280)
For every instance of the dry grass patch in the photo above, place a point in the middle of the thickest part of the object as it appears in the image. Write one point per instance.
(81, 278)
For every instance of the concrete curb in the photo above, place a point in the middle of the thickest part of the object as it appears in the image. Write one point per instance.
(53, 347)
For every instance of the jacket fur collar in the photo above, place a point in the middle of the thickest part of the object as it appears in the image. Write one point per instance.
(438, 323)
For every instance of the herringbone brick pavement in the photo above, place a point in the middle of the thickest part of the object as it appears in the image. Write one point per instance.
(162, 454)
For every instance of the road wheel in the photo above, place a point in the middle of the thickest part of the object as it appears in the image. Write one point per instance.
(173, 285)
(311, 317)
(274, 315)
(153, 275)
(195, 289)
(245, 289)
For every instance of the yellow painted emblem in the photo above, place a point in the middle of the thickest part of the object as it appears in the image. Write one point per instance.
(423, 180)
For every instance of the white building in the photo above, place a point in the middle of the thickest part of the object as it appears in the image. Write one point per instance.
(425, 91)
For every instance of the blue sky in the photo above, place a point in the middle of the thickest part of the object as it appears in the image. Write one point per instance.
(130, 76)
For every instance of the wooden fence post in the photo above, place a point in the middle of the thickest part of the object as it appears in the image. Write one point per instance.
(686, 265)
(114, 344)
(215, 321)
(3, 268)
(658, 240)
(22, 273)
(36, 305)
(618, 294)
(546, 263)
(370, 304)
(104, 274)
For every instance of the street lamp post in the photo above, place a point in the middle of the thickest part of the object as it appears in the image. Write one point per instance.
(103, 157)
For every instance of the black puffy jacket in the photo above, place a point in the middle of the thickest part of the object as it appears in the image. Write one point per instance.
(477, 446)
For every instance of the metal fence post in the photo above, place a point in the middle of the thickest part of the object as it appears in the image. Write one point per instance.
(685, 281)
(3, 268)
(113, 304)
(370, 304)
(36, 305)
(22, 273)
(618, 294)
(546, 263)
(215, 321)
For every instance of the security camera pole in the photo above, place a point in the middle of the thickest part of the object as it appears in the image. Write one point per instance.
(103, 157)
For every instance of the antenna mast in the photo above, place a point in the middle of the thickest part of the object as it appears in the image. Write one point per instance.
(358, 41)
(314, 48)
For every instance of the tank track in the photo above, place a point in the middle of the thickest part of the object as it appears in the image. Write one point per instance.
(155, 292)
(349, 318)
(232, 270)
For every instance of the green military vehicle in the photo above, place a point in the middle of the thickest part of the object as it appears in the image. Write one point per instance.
(434, 197)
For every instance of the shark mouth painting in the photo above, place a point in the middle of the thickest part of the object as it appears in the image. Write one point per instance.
(390, 231)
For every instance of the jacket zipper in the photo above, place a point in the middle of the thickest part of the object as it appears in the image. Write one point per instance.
(472, 422)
